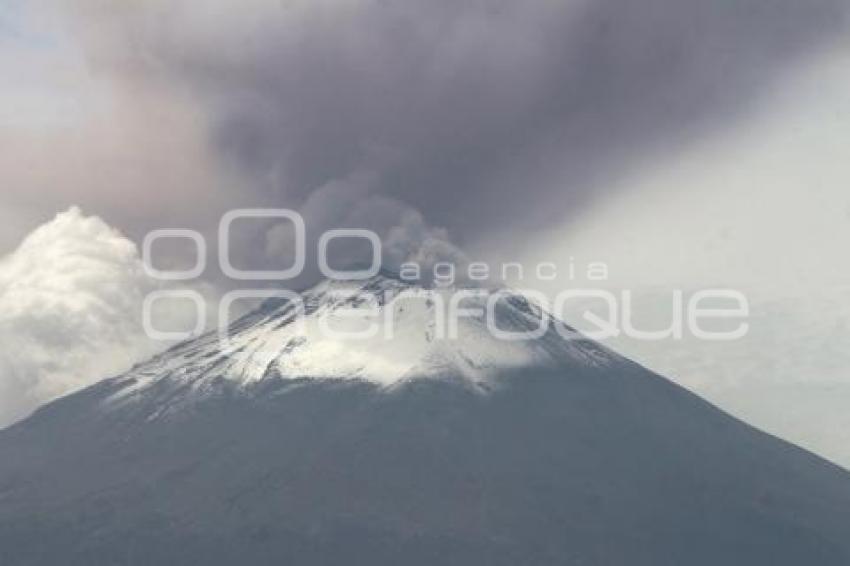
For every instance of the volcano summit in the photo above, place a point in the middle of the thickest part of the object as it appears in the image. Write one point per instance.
(285, 446)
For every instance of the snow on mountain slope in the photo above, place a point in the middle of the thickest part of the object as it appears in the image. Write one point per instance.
(382, 330)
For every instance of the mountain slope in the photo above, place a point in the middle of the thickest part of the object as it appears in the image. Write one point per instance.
(547, 453)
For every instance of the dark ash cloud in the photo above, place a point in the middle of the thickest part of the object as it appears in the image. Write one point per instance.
(485, 116)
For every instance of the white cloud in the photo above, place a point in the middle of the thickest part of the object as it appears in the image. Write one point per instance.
(70, 311)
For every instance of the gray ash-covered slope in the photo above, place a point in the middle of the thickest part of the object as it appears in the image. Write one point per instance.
(410, 451)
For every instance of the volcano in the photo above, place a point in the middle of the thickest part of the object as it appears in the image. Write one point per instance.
(282, 445)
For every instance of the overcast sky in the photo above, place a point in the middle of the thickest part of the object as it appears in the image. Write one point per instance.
(686, 143)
